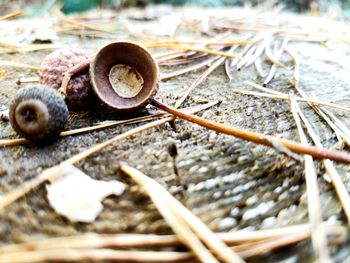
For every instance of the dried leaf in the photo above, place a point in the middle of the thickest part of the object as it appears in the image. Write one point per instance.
(78, 197)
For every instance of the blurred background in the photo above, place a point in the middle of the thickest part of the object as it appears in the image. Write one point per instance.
(338, 9)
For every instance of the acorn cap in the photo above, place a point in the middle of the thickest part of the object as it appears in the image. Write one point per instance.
(38, 113)
(124, 75)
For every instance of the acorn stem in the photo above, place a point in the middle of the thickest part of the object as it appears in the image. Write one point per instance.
(256, 137)
(71, 72)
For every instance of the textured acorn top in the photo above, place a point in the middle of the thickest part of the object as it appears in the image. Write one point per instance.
(38, 113)
(124, 75)
(79, 94)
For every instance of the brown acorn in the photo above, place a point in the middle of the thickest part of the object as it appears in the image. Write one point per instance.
(78, 93)
(124, 76)
(38, 113)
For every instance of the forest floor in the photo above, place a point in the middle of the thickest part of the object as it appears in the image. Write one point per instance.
(228, 183)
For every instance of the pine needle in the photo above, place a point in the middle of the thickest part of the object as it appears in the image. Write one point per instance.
(338, 184)
(17, 65)
(285, 97)
(55, 171)
(175, 212)
(318, 233)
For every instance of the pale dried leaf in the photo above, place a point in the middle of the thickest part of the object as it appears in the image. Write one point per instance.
(78, 197)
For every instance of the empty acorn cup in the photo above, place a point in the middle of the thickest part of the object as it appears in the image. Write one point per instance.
(124, 76)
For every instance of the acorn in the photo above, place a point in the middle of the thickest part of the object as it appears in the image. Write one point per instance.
(78, 93)
(124, 76)
(38, 113)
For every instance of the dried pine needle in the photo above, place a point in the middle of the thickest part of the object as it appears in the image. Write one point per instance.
(108, 124)
(176, 73)
(198, 81)
(318, 232)
(191, 48)
(55, 171)
(164, 199)
(338, 184)
(150, 240)
(285, 97)
(257, 243)
(11, 15)
(17, 65)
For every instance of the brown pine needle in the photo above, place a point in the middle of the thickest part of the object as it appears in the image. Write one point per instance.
(17, 65)
(198, 81)
(145, 240)
(191, 68)
(78, 255)
(190, 48)
(177, 223)
(261, 241)
(55, 171)
(338, 184)
(202, 43)
(163, 198)
(285, 97)
(11, 15)
(318, 233)
(109, 124)
(256, 137)
(326, 115)
(261, 88)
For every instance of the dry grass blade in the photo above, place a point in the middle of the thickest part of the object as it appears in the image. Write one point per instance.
(318, 232)
(55, 171)
(256, 137)
(17, 65)
(163, 198)
(339, 186)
